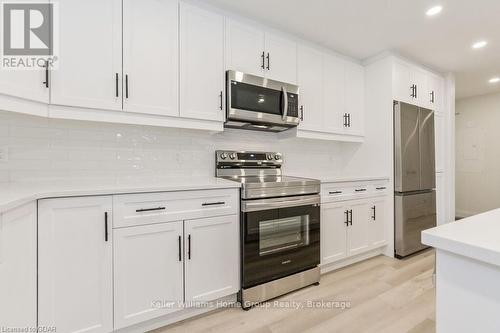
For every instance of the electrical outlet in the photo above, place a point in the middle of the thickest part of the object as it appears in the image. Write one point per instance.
(4, 154)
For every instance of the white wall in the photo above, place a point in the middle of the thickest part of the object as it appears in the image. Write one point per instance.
(477, 154)
(46, 149)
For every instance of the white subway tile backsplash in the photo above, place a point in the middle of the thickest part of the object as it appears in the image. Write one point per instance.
(50, 149)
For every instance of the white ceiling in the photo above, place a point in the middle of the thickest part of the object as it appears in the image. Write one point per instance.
(364, 28)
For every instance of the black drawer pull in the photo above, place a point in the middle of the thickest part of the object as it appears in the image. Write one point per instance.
(335, 192)
(381, 188)
(180, 248)
(213, 203)
(149, 209)
(360, 190)
(106, 234)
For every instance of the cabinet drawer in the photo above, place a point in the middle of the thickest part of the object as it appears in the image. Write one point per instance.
(149, 208)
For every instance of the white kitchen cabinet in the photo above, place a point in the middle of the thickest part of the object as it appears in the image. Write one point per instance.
(334, 89)
(18, 242)
(440, 198)
(377, 220)
(402, 81)
(419, 78)
(333, 232)
(150, 57)
(75, 273)
(202, 79)
(26, 84)
(310, 74)
(244, 48)
(440, 140)
(89, 72)
(354, 98)
(281, 58)
(358, 231)
(148, 272)
(211, 258)
(435, 93)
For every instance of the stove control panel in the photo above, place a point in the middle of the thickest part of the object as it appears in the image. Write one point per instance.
(249, 157)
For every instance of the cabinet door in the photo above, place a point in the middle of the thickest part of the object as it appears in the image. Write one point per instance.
(358, 230)
(333, 232)
(440, 198)
(402, 82)
(148, 272)
(377, 221)
(27, 84)
(18, 267)
(419, 78)
(90, 61)
(202, 64)
(355, 97)
(281, 59)
(75, 275)
(150, 56)
(244, 48)
(310, 74)
(211, 258)
(333, 93)
(435, 93)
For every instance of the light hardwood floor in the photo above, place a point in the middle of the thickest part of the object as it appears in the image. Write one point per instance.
(385, 295)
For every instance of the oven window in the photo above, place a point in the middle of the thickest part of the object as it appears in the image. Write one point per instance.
(249, 97)
(283, 234)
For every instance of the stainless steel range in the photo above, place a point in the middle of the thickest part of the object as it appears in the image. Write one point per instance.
(280, 225)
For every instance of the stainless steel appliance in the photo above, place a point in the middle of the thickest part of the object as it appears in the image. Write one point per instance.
(257, 103)
(414, 176)
(280, 225)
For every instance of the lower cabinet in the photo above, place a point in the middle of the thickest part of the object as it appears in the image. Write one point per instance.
(352, 227)
(75, 275)
(148, 270)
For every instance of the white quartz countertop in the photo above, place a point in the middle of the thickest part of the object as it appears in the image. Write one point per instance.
(476, 237)
(13, 195)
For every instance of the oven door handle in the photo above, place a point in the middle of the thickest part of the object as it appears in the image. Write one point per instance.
(275, 203)
(285, 103)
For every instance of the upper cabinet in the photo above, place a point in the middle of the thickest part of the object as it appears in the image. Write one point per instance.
(89, 72)
(417, 86)
(202, 78)
(27, 84)
(354, 98)
(150, 57)
(253, 51)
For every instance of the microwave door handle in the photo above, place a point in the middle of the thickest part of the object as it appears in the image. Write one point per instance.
(285, 103)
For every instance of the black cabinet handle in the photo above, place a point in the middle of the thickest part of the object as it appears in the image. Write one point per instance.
(345, 119)
(105, 226)
(180, 248)
(302, 112)
(263, 55)
(413, 90)
(348, 120)
(432, 97)
(350, 216)
(416, 91)
(221, 102)
(381, 188)
(360, 190)
(189, 247)
(126, 85)
(46, 82)
(374, 216)
(149, 209)
(213, 203)
(346, 218)
(268, 61)
(116, 83)
(335, 192)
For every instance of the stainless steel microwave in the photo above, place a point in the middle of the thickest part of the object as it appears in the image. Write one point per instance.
(257, 103)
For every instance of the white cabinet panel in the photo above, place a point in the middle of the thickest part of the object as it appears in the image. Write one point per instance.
(358, 230)
(150, 56)
(354, 97)
(436, 93)
(75, 276)
(281, 58)
(333, 232)
(419, 78)
(211, 258)
(310, 74)
(402, 82)
(440, 139)
(18, 267)
(377, 221)
(148, 272)
(27, 84)
(333, 93)
(440, 198)
(244, 48)
(90, 66)
(202, 64)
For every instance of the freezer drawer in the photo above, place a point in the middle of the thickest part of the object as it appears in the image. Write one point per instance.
(413, 214)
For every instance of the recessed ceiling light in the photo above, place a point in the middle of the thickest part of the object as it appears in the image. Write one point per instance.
(495, 80)
(434, 10)
(480, 44)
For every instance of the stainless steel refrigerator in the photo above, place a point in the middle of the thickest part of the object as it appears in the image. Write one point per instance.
(414, 177)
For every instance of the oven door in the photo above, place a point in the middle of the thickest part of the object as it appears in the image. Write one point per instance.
(279, 237)
(258, 100)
